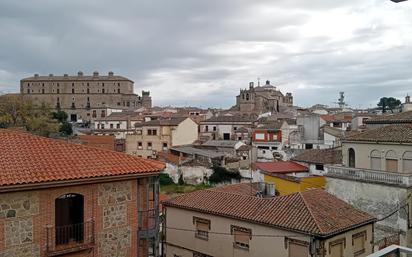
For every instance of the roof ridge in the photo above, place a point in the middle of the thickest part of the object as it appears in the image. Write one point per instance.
(310, 210)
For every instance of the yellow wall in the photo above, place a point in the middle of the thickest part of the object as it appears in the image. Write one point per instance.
(285, 186)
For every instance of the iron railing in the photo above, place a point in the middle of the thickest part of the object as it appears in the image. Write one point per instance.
(70, 238)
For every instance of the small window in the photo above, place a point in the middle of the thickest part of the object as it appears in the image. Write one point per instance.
(358, 243)
(58, 91)
(28, 91)
(88, 91)
(102, 90)
(103, 114)
(139, 145)
(151, 132)
(149, 145)
(202, 228)
(234, 128)
(111, 125)
(336, 248)
(118, 125)
(164, 146)
(242, 237)
(298, 248)
(94, 115)
(319, 167)
(214, 128)
(206, 128)
(72, 90)
(42, 91)
(102, 126)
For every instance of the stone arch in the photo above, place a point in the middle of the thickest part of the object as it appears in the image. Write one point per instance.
(391, 160)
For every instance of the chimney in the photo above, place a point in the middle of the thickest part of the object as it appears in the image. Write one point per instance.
(110, 73)
(270, 190)
(267, 82)
(50, 75)
(251, 85)
(95, 74)
(80, 73)
(65, 75)
(36, 75)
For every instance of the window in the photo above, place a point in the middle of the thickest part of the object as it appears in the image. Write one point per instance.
(88, 91)
(42, 91)
(118, 90)
(214, 128)
(69, 216)
(111, 125)
(336, 248)
(391, 161)
(351, 156)
(407, 161)
(102, 90)
(94, 115)
(28, 91)
(206, 128)
(102, 126)
(226, 136)
(234, 128)
(358, 243)
(139, 145)
(259, 136)
(242, 237)
(297, 248)
(72, 90)
(103, 114)
(118, 125)
(164, 146)
(149, 145)
(319, 167)
(151, 132)
(202, 228)
(376, 160)
(58, 91)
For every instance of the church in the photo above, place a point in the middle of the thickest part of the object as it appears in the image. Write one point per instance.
(262, 99)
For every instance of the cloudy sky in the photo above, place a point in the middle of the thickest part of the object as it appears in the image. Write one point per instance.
(189, 52)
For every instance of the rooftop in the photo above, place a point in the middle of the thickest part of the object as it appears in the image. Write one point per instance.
(188, 149)
(390, 134)
(281, 167)
(29, 159)
(79, 77)
(403, 117)
(229, 119)
(163, 122)
(313, 212)
(321, 156)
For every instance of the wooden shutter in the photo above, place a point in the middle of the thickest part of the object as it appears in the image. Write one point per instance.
(336, 250)
(392, 165)
(242, 236)
(298, 250)
(202, 225)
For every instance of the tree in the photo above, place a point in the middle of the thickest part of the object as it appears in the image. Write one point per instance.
(16, 112)
(389, 103)
(65, 127)
(61, 116)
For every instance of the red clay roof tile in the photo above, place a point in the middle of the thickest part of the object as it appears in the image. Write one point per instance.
(28, 159)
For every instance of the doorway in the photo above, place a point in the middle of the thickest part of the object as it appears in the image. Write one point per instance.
(69, 218)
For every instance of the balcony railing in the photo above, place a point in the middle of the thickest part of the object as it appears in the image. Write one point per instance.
(373, 176)
(70, 238)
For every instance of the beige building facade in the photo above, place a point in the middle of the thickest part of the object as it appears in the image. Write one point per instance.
(83, 97)
(209, 224)
(159, 135)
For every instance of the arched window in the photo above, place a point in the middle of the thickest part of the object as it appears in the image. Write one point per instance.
(69, 218)
(407, 162)
(376, 160)
(391, 161)
(247, 97)
(351, 157)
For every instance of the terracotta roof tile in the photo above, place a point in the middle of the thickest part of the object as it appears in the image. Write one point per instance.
(403, 117)
(313, 212)
(392, 133)
(28, 159)
(324, 156)
(281, 167)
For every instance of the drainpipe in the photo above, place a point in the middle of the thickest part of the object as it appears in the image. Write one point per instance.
(314, 245)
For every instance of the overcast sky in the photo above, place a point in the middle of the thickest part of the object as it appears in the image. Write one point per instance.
(200, 53)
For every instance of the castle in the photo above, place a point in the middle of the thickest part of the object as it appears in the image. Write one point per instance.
(84, 97)
(262, 99)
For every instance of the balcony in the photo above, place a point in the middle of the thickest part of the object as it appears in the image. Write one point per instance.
(70, 238)
(371, 176)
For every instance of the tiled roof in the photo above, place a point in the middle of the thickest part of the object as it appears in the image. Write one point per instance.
(281, 167)
(247, 189)
(29, 159)
(276, 125)
(163, 122)
(403, 117)
(229, 119)
(334, 131)
(313, 212)
(323, 156)
(393, 133)
(79, 78)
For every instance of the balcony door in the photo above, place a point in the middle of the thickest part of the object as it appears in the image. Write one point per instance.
(69, 218)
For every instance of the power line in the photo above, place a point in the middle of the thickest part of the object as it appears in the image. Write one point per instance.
(231, 234)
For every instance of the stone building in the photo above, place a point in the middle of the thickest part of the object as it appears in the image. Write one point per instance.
(262, 99)
(226, 128)
(156, 136)
(246, 220)
(376, 176)
(60, 199)
(84, 97)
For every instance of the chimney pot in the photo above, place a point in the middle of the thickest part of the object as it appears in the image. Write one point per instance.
(110, 73)
(36, 75)
(65, 75)
(268, 82)
(95, 74)
(80, 73)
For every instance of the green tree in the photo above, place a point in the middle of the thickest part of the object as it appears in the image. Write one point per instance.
(16, 112)
(389, 103)
(61, 116)
(65, 127)
(221, 174)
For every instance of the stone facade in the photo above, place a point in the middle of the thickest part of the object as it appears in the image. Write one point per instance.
(114, 240)
(84, 97)
(17, 211)
(262, 99)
